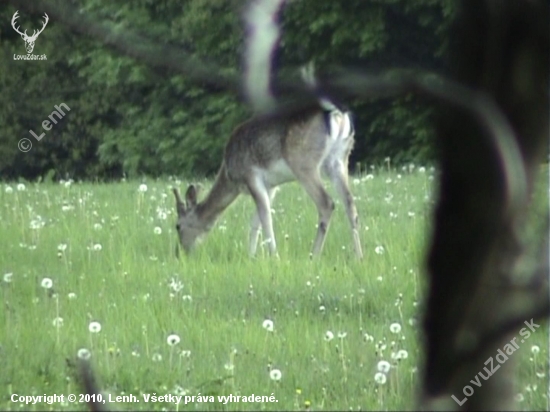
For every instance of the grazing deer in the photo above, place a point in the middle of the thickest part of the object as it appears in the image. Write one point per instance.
(264, 153)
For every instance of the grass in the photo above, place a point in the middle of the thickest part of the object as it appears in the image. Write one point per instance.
(109, 252)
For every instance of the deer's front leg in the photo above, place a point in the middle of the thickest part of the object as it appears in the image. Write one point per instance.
(255, 226)
(262, 198)
(254, 233)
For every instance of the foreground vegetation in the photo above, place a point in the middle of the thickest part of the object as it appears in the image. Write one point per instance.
(90, 270)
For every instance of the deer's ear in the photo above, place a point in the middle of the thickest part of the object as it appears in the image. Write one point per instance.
(180, 206)
(191, 196)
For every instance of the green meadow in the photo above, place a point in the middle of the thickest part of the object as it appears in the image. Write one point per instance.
(89, 270)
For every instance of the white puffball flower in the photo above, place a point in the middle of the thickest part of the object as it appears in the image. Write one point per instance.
(275, 375)
(383, 366)
(46, 283)
(268, 325)
(380, 378)
(395, 327)
(84, 353)
(173, 339)
(94, 327)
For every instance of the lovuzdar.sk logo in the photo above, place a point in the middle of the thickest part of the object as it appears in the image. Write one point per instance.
(29, 40)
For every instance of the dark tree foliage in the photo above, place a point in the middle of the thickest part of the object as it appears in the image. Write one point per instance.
(129, 118)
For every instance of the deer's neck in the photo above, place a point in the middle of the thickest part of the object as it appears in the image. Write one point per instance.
(222, 194)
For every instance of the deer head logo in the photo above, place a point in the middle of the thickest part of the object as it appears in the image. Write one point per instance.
(29, 40)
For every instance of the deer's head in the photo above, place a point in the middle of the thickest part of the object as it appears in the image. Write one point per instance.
(189, 227)
(29, 40)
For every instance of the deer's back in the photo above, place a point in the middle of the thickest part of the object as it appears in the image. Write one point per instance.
(268, 143)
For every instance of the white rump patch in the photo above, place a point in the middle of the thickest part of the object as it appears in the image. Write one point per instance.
(340, 125)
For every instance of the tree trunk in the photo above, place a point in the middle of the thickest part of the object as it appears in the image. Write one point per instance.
(476, 301)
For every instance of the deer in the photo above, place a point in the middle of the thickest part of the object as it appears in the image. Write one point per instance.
(266, 152)
(29, 40)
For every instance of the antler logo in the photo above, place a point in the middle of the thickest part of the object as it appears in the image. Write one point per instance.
(29, 40)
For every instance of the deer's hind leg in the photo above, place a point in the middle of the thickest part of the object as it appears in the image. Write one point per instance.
(336, 168)
(310, 179)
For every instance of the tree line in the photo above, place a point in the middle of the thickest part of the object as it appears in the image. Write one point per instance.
(127, 118)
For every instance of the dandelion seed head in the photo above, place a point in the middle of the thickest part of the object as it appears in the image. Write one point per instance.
(142, 188)
(329, 336)
(380, 378)
(84, 353)
(67, 208)
(21, 187)
(157, 357)
(94, 327)
(58, 322)
(179, 391)
(275, 375)
(535, 350)
(379, 250)
(383, 366)
(268, 325)
(173, 339)
(8, 277)
(8, 189)
(395, 327)
(402, 354)
(46, 283)
(157, 230)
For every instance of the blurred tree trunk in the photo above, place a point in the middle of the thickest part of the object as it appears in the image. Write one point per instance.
(478, 301)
